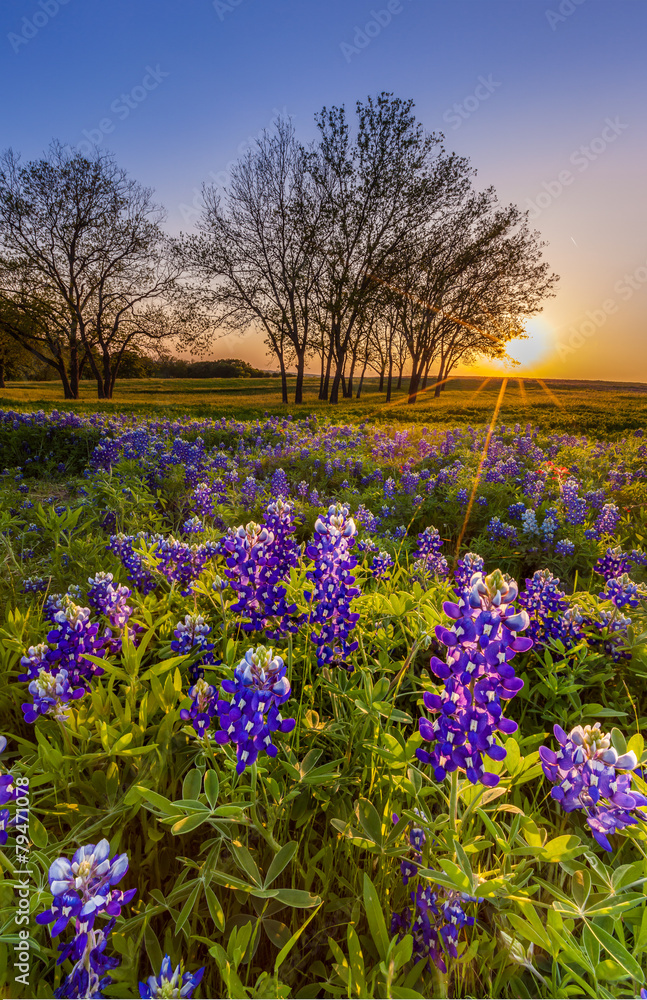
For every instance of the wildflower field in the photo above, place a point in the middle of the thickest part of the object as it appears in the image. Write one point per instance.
(299, 707)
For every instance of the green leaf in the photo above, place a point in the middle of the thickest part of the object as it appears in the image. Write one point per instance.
(155, 799)
(192, 784)
(215, 909)
(617, 952)
(561, 849)
(279, 862)
(246, 862)
(37, 832)
(375, 917)
(287, 948)
(296, 897)
(211, 787)
(188, 823)
(370, 821)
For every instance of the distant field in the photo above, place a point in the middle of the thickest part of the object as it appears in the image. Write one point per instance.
(591, 407)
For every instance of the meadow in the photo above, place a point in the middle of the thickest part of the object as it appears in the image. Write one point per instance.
(323, 701)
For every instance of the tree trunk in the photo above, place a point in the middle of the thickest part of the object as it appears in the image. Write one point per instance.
(361, 380)
(334, 391)
(389, 382)
(322, 375)
(2, 381)
(382, 371)
(301, 361)
(324, 393)
(400, 374)
(74, 369)
(349, 393)
(439, 380)
(426, 375)
(284, 381)
(344, 386)
(414, 381)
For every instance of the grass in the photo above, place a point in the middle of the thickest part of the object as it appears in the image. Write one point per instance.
(598, 408)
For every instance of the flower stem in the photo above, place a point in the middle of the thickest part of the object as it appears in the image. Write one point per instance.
(453, 801)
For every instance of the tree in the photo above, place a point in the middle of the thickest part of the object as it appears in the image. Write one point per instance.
(256, 247)
(84, 261)
(377, 189)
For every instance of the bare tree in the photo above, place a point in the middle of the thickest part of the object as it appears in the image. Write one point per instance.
(256, 249)
(376, 189)
(83, 260)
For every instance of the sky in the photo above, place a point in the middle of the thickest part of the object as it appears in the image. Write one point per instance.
(546, 98)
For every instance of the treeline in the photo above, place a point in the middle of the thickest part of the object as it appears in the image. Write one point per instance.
(369, 250)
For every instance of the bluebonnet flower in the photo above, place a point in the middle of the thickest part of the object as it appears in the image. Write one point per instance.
(51, 693)
(34, 584)
(258, 689)
(193, 526)
(606, 522)
(549, 529)
(575, 505)
(482, 501)
(8, 793)
(258, 560)
(435, 922)
(565, 547)
(515, 510)
(176, 561)
(615, 562)
(249, 491)
(498, 529)
(204, 700)
(547, 610)
(112, 601)
(382, 563)
(83, 889)
(302, 489)
(190, 637)
(410, 865)
(279, 485)
(584, 773)
(170, 982)
(466, 567)
(333, 591)
(529, 522)
(477, 677)
(623, 592)
(428, 555)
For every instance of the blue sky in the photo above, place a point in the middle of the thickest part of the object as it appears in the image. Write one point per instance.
(530, 90)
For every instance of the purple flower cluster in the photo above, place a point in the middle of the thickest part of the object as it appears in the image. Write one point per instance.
(258, 560)
(332, 577)
(8, 793)
(83, 889)
(59, 670)
(173, 559)
(547, 609)
(584, 773)
(466, 567)
(606, 522)
(498, 529)
(170, 982)
(428, 555)
(477, 677)
(410, 865)
(190, 639)
(435, 921)
(258, 689)
(623, 592)
(112, 601)
(382, 563)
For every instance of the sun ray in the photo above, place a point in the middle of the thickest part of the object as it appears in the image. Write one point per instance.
(482, 386)
(479, 470)
(551, 395)
(522, 391)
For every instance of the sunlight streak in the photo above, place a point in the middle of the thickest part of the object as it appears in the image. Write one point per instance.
(477, 478)
(551, 395)
(522, 392)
